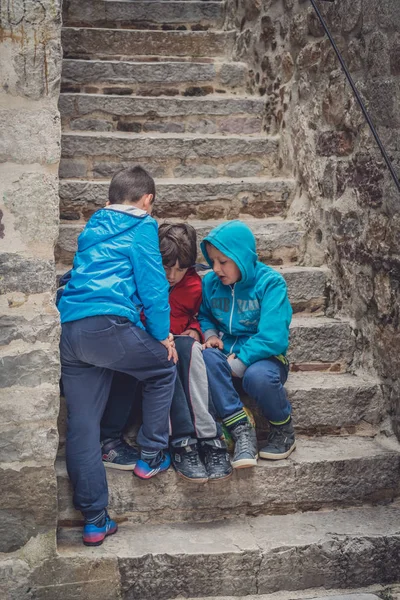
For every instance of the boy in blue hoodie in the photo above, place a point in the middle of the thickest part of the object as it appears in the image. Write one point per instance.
(117, 273)
(245, 316)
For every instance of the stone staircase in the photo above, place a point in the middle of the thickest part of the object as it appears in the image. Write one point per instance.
(154, 83)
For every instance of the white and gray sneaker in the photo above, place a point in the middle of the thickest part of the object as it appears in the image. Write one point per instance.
(280, 442)
(245, 454)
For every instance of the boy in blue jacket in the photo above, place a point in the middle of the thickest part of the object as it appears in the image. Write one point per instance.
(245, 316)
(117, 273)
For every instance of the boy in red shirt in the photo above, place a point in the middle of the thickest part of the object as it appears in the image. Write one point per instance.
(197, 452)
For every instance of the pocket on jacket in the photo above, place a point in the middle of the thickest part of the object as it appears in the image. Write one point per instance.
(101, 348)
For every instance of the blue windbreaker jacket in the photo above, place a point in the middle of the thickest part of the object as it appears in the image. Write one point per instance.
(254, 314)
(118, 271)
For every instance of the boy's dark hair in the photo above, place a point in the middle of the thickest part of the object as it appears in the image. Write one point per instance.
(129, 185)
(178, 242)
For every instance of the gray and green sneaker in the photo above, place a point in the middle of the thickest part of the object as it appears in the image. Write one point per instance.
(245, 454)
(280, 442)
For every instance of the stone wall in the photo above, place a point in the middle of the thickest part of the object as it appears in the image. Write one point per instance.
(30, 64)
(345, 195)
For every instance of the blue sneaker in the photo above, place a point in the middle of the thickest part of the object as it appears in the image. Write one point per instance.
(148, 466)
(117, 454)
(94, 535)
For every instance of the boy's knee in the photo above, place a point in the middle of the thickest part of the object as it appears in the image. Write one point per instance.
(261, 379)
(212, 356)
(184, 343)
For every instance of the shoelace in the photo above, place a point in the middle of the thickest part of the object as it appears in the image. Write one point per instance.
(215, 457)
(243, 443)
(276, 437)
(193, 458)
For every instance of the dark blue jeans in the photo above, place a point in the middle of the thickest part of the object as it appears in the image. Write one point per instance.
(263, 381)
(92, 349)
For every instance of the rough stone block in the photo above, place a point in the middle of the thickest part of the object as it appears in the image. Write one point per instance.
(91, 125)
(15, 579)
(73, 169)
(172, 151)
(32, 65)
(306, 288)
(28, 505)
(360, 399)
(81, 43)
(29, 404)
(30, 136)
(207, 198)
(321, 340)
(132, 74)
(69, 578)
(337, 143)
(196, 171)
(36, 195)
(84, 105)
(232, 75)
(185, 147)
(36, 442)
(137, 14)
(235, 125)
(28, 276)
(28, 365)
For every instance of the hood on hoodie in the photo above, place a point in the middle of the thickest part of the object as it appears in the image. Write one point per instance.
(99, 229)
(236, 240)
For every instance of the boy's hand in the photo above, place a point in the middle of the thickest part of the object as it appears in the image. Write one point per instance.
(214, 342)
(170, 346)
(192, 333)
(230, 358)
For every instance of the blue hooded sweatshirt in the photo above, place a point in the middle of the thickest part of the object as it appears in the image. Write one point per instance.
(118, 271)
(253, 315)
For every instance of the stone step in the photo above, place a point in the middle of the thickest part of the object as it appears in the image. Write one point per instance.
(209, 115)
(92, 155)
(320, 344)
(324, 472)
(200, 199)
(255, 555)
(279, 242)
(81, 42)
(144, 15)
(372, 592)
(306, 287)
(124, 78)
(323, 403)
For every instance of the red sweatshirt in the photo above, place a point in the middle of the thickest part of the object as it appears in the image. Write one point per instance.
(184, 301)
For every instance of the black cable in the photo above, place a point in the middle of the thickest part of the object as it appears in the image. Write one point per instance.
(357, 95)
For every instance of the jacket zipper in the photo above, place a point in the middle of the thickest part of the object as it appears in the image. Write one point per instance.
(231, 317)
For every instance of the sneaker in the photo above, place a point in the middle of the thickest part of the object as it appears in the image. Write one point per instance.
(245, 454)
(147, 467)
(216, 459)
(117, 454)
(94, 535)
(187, 462)
(280, 442)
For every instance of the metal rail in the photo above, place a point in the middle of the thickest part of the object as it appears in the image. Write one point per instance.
(356, 93)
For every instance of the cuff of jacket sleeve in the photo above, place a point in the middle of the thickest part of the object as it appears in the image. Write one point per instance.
(238, 367)
(209, 333)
